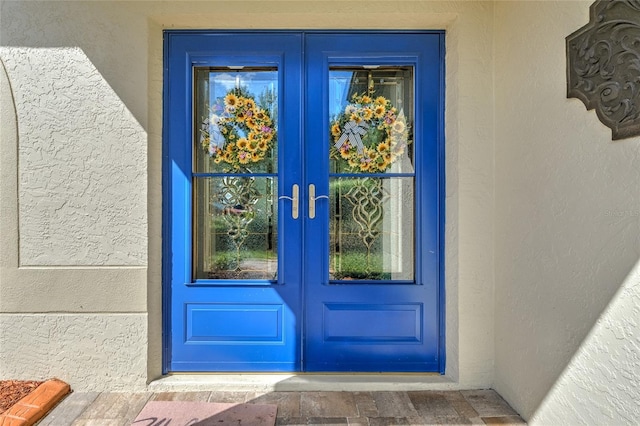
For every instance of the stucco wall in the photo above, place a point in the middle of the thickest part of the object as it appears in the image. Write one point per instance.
(567, 232)
(73, 223)
(91, 176)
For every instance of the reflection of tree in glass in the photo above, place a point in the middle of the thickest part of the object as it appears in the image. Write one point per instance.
(268, 100)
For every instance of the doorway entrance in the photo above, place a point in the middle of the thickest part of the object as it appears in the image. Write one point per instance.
(303, 201)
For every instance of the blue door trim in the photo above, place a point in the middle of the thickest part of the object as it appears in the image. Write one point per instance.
(442, 302)
(167, 214)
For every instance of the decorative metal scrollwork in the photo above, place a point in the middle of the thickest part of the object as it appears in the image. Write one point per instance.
(239, 196)
(367, 197)
(603, 65)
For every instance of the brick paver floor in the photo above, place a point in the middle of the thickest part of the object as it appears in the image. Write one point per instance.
(477, 407)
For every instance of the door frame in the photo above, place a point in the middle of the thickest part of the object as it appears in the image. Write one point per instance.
(167, 176)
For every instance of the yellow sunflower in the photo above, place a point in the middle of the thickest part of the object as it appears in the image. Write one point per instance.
(353, 162)
(231, 101)
(242, 143)
(381, 100)
(383, 165)
(382, 147)
(205, 143)
(379, 111)
(335, 130)
(244, 157)
(355, 117)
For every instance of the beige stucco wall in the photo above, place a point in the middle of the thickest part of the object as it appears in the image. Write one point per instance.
(567, 233)
(539, 200)
(80, 175)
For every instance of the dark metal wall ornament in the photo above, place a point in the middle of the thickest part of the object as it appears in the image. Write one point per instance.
(603, 65)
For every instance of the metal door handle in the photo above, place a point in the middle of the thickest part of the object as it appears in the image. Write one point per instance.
(312, 200)
(295, 193)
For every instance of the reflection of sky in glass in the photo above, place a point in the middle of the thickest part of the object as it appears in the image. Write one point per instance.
(255, 82)
(339, 82)
(220, 83)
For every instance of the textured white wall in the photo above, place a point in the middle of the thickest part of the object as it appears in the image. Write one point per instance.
(82, 155)
(92, 352)
(114, 51)
(567, 230)
(600, 384)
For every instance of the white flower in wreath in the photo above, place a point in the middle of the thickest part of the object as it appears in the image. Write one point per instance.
(350, 109)
(216, 138)
(210, 132)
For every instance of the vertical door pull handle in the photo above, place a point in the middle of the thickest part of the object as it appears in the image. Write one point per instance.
(312, 200)
(295, 194)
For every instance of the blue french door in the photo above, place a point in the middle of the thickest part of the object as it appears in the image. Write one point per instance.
(303, 201)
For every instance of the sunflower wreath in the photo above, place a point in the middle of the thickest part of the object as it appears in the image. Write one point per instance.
(237, 132)
(369, 136)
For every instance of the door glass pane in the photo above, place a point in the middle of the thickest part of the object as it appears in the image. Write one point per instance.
(371, 229)
(235, 113)
(371, 120)
(371, 134)
(235, 167)
(235, 228)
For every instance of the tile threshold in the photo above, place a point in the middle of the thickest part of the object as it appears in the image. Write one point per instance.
(302, 382)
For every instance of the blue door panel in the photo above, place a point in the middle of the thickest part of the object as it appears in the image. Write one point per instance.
(367, 343)
(228, 325)
(241, 329)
